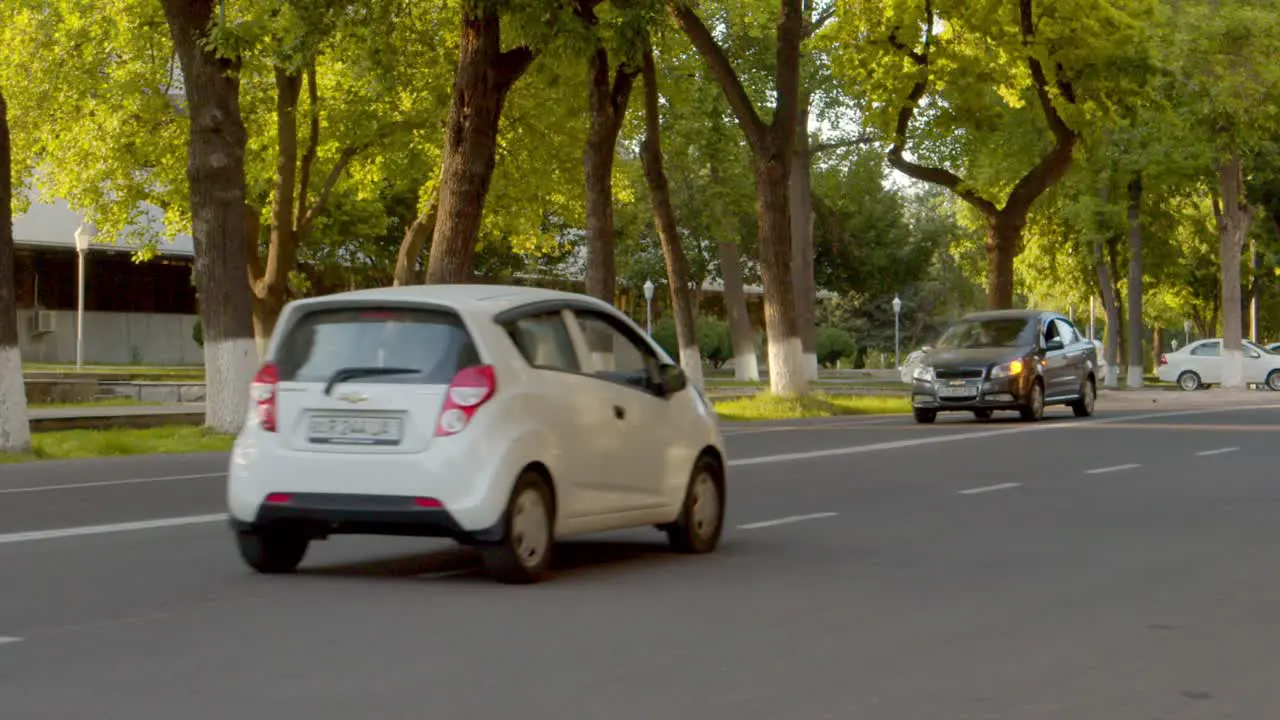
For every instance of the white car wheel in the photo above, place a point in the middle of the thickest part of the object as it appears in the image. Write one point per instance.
(523, 555)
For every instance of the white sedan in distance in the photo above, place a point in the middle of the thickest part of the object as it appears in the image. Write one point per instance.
(501, 417)
(1201, 364)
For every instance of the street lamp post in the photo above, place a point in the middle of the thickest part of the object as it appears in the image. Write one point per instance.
(648, 306)
(897, 332)
(1186, 329)
(84, 236)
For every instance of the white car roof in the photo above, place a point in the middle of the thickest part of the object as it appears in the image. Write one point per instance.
(461, 297)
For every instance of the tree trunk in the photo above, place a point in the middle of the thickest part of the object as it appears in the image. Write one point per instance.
(801, 197)
(1157, 346)
(270, 284)
(608, 106)
(664, 218)
(1004, 234)
(1111, 306)
(415, 239)
(771, 145)
(1255, 292)
(483, 79)
(1135, 330)
(786, 370)
(215, 172)
(746, 364)
(1234, 217)
(15, 431)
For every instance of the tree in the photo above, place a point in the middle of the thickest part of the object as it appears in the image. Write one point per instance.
(324, 47)
(215, 173)
(484, 78)
(609, 93)
(993, 88)
(771, 145)
(1232, 90)
(664, 217)
(15, 432)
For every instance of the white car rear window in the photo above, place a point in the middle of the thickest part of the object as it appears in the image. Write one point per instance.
(433, 343)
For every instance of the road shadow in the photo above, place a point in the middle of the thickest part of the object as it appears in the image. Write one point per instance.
(461, 564)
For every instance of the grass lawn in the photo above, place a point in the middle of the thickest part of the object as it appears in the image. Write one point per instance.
(68, 444)
(772, 407)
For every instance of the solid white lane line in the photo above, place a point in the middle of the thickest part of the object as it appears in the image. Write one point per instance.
(9, 640)
(114, 528)
(957, 437)
(786, 521)
(1113, 468)
(989, 488)
(106, 483)
(1219, 451)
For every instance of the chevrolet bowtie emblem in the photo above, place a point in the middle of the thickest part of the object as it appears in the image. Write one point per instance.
(353, 397)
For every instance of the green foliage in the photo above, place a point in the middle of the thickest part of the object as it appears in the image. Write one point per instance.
(712, 334)
(834, 344)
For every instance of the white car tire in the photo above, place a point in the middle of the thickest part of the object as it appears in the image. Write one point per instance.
(523, 556)
(701, 522)
(1190, 381)
(272, 552)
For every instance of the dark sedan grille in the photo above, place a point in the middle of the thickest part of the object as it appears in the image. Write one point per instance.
(959, 374)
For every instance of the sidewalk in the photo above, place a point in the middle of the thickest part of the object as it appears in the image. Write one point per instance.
(1173, 399)
(114, 416)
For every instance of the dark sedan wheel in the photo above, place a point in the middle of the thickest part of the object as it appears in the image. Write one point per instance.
(1088, 398)
(926, 417)
(1033, 411)
(983, 414)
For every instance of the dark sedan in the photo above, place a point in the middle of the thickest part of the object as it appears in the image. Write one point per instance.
(1020, 360)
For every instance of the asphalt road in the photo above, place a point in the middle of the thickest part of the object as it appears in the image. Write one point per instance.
(1123, 567)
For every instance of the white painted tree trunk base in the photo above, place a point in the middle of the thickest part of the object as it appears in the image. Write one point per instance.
(746, 368)
(811, 366)
(1233, 369)
(15, 430)
(786, 367)
(229, 368)
(1135, 379)
(691, 363)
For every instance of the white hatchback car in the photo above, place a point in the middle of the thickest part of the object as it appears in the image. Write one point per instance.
(501, 417)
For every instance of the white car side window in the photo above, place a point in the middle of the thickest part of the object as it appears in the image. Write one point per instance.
(1209, 349)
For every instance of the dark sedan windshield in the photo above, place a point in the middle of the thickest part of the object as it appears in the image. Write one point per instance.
(1002, 332)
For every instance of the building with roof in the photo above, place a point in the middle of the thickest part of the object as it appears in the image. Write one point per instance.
(135, 312)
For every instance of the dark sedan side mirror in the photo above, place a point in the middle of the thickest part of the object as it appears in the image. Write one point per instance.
(671, 380)
(1054, 345)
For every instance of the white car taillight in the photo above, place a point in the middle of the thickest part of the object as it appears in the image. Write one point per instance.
(263, 394)
(471, 388)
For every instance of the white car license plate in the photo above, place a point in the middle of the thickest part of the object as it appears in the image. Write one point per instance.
(354, 430)
(961, 391)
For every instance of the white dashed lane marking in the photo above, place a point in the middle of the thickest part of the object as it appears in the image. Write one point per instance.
(786, 520)
(989, 488)
(1113, 468)
(1219, 451)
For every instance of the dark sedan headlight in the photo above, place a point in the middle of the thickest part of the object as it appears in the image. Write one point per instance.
(1008, 370)
(924, 373)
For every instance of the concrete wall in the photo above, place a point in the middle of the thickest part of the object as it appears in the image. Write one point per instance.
(113, 339)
